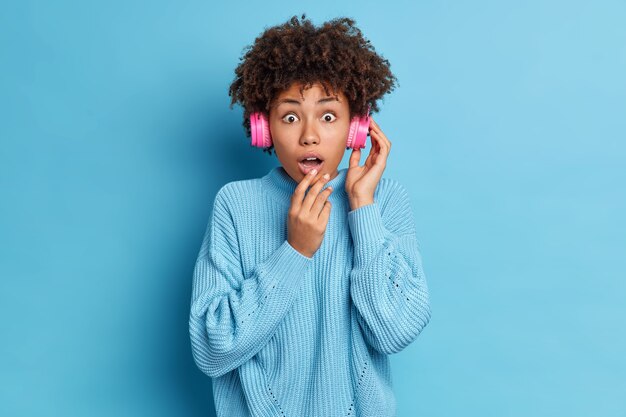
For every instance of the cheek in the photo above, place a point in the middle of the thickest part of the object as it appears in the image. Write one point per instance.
(277, 133)
(340, 130)
(287, 136)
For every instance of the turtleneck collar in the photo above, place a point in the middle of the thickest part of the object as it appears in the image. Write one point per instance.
(283, 186)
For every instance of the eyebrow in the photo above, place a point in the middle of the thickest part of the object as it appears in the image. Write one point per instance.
(294, 101)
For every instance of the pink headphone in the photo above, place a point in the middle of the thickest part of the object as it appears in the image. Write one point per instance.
(357, 135)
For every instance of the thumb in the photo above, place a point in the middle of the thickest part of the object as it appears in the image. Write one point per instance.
(355, 157)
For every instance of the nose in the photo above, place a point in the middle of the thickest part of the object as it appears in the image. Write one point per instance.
(309, 134)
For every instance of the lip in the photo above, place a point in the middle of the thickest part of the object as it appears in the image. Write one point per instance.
(310, 155)
(305, 170)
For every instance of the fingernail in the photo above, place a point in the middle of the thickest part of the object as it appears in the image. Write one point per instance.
(326, 176)
(313, 171)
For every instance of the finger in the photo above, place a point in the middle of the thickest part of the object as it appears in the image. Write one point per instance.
(355, 158)
(325, 213)
(368, 161)
(377, 129)
(313, 193)
(380, 158)
(374, 125)
(371, 126)
(383, 146)
(298, 194)
(374, 128)
(370, 157)
(384, 137)
(376, 141)
(376, 138)
(321, 200)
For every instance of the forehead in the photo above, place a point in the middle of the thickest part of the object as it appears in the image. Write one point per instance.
(313, 92)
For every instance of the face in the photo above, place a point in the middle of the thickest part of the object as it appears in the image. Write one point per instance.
(309, 123)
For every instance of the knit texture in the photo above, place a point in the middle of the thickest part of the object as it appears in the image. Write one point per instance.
(285, 335)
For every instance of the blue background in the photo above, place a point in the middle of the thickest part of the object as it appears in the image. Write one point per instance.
(508, 130)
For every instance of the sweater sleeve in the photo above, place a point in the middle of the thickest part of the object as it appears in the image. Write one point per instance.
(387, 282)
(232, 317)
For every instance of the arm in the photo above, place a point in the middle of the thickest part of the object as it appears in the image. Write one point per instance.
(387, 282)
(232, 317)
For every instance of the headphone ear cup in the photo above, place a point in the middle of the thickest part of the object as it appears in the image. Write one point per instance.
(357, 135)
(260, 130)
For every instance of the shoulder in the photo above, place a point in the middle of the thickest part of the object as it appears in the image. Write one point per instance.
(391, 191)
(395, 205)
(238, 193)
(390, 184)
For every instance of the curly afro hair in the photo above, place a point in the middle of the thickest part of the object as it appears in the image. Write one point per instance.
(336, 55)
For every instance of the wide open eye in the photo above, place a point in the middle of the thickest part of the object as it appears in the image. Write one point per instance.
(329, 117)
(289, 118)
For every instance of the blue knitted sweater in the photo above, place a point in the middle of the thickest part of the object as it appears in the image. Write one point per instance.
(285, 335)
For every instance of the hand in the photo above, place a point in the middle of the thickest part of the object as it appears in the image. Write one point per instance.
(361, 181)
(308, 218)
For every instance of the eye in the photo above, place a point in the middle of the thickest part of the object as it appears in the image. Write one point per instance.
(329, 114)
(289, 118)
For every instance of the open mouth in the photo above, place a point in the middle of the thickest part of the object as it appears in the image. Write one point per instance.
(308, 164)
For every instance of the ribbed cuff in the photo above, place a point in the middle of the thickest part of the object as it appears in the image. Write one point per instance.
(366, 224)
(287, 261)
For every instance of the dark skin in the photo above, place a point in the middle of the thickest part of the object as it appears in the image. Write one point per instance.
(308, 215)
(275, 65)
(361, 181)
(282, 55)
